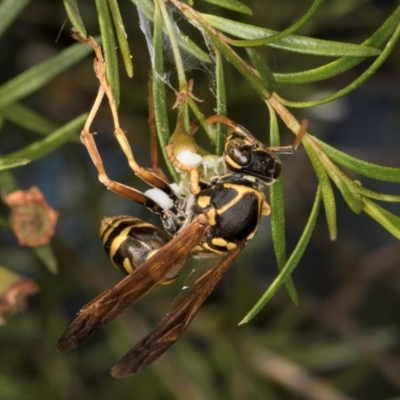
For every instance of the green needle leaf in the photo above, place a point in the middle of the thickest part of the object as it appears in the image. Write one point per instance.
(290, 264)
(9, 163)
(71, 7)
(388, 220)
(46, 254)
(238, 63)
(36, 77)
(262, 68)
(277, 214)
(196, 19)
(159, 96)
(234, 5)
(9, 10)
(375, 171)
(121, 36)
(221, 102)
(147, 8)
(50, 142)
(28, 119)
(357, 82)
(109, 46)
(286, 32)
(360, 190)
(294, 43)
(326, 189)
(344, 63)
(352, 198)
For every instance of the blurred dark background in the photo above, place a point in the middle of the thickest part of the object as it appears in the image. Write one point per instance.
(345, 332)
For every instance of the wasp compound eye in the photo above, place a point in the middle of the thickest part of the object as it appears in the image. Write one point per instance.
(243, 156)
(238, 156)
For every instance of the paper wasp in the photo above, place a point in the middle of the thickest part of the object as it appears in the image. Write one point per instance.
(218, 221)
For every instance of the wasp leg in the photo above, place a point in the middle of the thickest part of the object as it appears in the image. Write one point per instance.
(105, 89)
(266, 209)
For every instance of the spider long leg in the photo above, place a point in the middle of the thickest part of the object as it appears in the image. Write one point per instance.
(116, 187)
(105, 89)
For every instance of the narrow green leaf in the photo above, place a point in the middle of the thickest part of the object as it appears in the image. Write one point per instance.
(200, 117)
(9, 163)
(109, 46)
(263, 69)
(357, 82)
(71, 7)
(50, 142)
(277, 214)
(286, 32)
(37, 76)
(159, 96)
(221, 102)
(352, 198)
(28, 119)
(121, 36)
(375, 171)
(352, 190)
(385, 218)
(47, 256)
(8, 183)
(326, 190)
(291, 263)
(234, 5)
(294, 43)
(343, 64)
(356, 187)
(171, 33)
(232, 57)
(146, 7)
(9, 10)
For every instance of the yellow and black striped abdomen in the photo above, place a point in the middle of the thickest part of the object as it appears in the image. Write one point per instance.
(129, 241)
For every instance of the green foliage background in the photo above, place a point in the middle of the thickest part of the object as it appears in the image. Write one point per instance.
(345, 329)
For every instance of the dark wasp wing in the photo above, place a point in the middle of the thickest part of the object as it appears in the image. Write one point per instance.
(125, 293)
(175, 323)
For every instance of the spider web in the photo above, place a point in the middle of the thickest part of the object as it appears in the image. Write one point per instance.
(190, 62)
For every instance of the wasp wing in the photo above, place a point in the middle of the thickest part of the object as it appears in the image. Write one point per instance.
(125, 293)
(175, 323)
